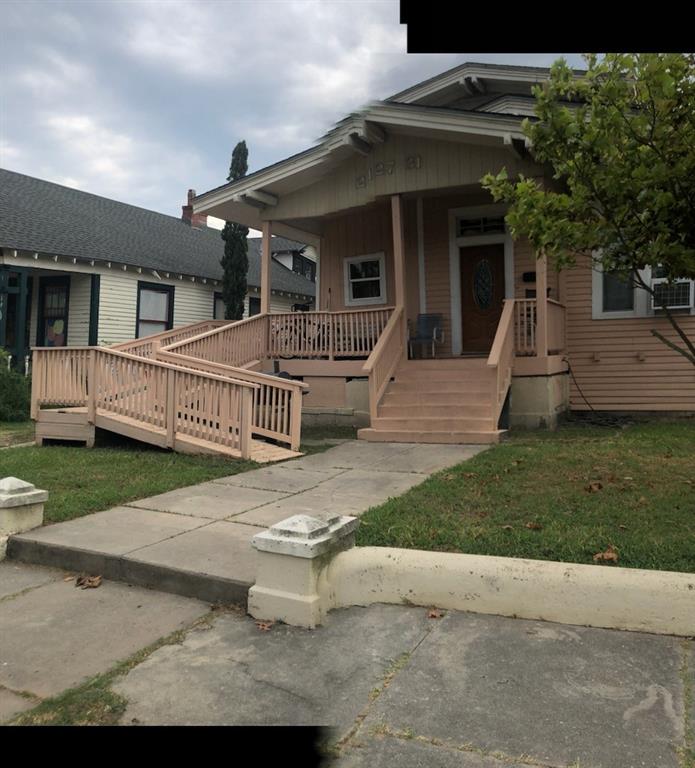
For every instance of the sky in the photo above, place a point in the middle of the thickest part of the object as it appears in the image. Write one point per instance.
(140, 101)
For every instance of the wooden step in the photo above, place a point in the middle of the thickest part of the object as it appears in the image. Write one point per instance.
(445, 364)
(427, 386)
(415, 436)
(431, 424)
(427, 409)
(435, 397)
(478, 374)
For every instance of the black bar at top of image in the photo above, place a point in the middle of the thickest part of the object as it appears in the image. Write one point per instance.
(448, 26)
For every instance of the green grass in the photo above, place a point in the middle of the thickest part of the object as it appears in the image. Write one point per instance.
(645, 508)
(13, 432)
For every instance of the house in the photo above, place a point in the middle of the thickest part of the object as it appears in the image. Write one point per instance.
(79, 269)
(408, 246)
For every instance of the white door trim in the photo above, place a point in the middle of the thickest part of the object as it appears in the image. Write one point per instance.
(455, 243)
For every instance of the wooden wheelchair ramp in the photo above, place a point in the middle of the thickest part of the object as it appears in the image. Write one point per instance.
(77, 390)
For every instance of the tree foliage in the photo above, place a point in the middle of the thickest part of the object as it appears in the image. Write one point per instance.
(235, 261)
(619, 145)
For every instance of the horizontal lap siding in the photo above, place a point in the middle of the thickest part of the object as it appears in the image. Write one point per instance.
(365, 231)
(619, 381)
(118, 304)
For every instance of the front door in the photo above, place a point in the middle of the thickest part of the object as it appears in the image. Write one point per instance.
(482, 295)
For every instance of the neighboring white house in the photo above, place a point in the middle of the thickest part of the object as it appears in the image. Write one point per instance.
(78, 269)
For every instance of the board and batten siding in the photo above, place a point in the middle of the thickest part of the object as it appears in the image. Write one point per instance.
(619, 380)
(402, 164)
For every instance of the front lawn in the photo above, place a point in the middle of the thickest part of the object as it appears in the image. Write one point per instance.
(14, 432)
(565, 496)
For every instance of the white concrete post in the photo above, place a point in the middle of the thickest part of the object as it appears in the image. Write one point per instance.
(21, 508)
(292, 556)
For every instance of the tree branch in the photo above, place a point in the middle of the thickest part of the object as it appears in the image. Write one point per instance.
(673, 346)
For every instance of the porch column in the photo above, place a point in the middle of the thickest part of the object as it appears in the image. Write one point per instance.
(399, 264)
(265, 266)
(541, 306)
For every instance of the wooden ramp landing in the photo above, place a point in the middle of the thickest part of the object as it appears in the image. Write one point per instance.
(72, 424)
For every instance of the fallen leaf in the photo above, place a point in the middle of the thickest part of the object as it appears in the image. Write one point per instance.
(264, 626)
(534, 526)
(434, 613)
(88, 582)
(642, 500)
(622, 527)
(609, 556)
(507, 527)
(594, 487)
(68, 577)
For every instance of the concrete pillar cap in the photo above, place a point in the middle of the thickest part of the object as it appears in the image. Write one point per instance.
(305, 536)
(18, 493)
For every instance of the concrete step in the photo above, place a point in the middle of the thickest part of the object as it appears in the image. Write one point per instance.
(427, 409)
(431, 424)
(415, 436)
(412, 397)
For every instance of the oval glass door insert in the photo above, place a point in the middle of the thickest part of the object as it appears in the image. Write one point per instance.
(482, 284)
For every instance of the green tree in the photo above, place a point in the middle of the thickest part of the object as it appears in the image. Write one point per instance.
(619, 143)
(235, 261)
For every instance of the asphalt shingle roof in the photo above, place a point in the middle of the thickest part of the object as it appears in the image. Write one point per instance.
(40, 216)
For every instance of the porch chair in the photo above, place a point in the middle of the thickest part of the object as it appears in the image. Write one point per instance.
(430, 330)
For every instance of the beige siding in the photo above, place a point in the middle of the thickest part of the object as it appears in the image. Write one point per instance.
(442, 164)
(619, 380)
(78, 307)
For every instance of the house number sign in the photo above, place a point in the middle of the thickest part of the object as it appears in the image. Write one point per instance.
(386, 168)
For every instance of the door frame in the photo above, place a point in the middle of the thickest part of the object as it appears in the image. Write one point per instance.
(456, 243)
(44, 282)
(23, 294)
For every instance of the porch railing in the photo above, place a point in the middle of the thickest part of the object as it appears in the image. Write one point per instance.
(155, 396)
(147, 346)
(501, 358)
(384, 359)
(525, 327)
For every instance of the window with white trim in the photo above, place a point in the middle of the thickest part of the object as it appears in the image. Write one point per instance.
(365, 279)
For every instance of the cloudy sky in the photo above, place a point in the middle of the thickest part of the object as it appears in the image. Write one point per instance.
(138, 101)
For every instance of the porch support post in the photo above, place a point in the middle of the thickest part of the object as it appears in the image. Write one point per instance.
(399, 265)
(265, 266)
(541, 306)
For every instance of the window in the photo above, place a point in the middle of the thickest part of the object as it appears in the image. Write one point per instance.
(155, 309)
(365, 279)
(254, 306)
(483, 225)
(303, 266)
(54, 298)
(618, 293)
(218, 307)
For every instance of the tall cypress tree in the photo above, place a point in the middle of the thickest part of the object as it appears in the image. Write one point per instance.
(235, 261)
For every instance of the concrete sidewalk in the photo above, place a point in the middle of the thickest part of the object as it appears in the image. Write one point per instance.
(195, 541)
(54, 636)
(397, 688)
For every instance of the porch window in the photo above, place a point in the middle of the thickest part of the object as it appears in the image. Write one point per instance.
(483, 225)
(155, 308)
(365, 279)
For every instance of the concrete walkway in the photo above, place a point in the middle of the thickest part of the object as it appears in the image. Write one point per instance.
(398, 688)
(195, 541)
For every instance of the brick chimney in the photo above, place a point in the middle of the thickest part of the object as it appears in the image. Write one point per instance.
(197, 220)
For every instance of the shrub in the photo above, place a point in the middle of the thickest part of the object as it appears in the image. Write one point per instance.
(14, 393)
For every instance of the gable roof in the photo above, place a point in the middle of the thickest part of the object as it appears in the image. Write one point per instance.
(43, 217)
